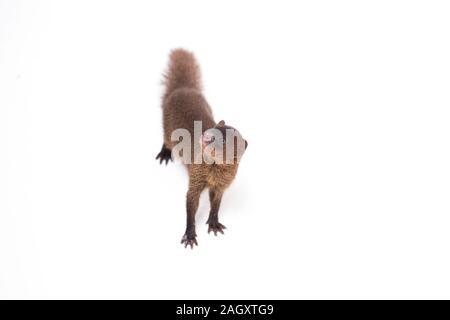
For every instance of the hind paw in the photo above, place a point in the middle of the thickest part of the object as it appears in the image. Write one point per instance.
(189, 239)
(216, 227)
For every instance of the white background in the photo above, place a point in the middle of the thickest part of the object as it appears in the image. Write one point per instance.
(343, 191)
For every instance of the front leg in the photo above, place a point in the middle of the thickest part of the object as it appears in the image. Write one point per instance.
(215, 197)
(192, 199)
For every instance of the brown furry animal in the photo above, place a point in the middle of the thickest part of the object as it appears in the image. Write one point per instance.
(182, 104)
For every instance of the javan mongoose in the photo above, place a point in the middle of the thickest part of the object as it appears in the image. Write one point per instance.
(182, 104)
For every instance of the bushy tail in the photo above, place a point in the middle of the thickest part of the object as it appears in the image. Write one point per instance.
(182, 72)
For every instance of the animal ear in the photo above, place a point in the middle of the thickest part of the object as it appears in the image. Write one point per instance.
(246, 144)
(221, 123)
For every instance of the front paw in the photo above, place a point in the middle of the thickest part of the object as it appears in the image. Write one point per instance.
(189, 239)
(164, 155)
(215, 227)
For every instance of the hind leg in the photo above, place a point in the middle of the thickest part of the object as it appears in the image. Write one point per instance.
(193, 195)
(164, 155)
(215, 197)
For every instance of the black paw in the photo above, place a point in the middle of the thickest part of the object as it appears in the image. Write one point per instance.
(189, 240)
(164, 155)
(215, 227)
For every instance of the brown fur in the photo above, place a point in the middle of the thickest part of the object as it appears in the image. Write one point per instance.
(183, 103)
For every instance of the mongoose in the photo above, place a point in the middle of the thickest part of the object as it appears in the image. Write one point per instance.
(183, 103)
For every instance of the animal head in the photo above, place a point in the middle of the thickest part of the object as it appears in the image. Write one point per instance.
(223, 144)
